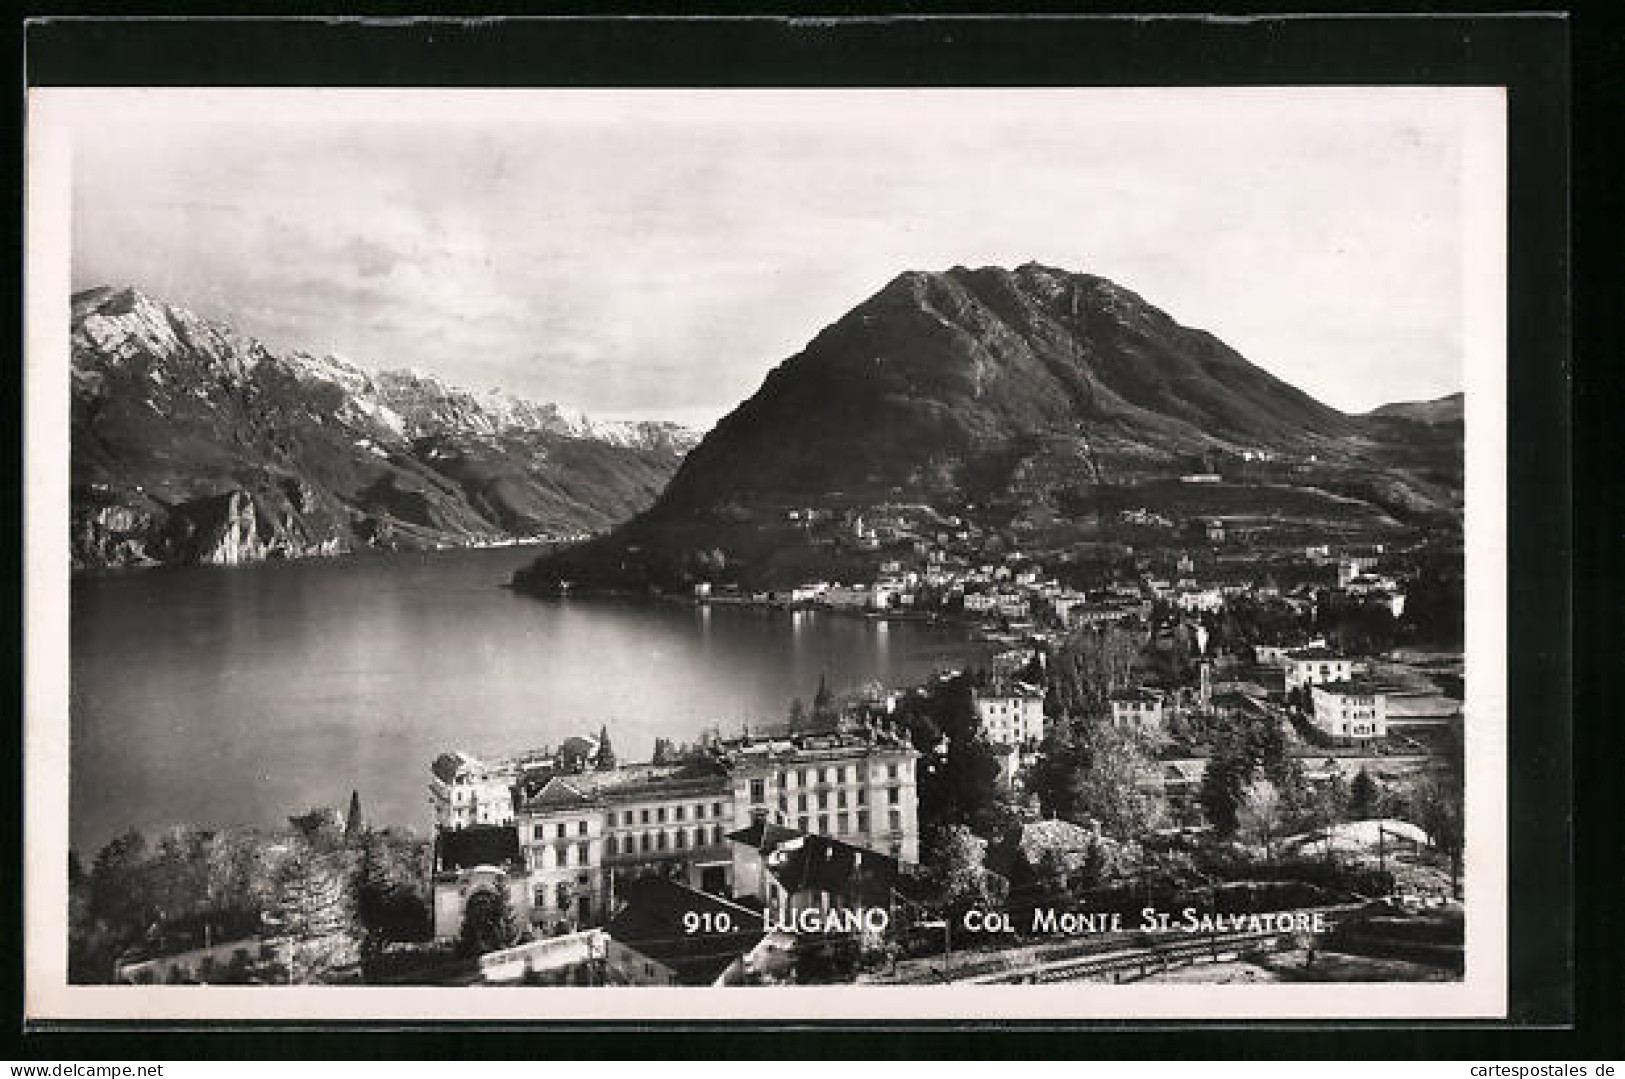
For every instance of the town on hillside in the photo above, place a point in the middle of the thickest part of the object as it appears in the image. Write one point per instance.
(1210, 757)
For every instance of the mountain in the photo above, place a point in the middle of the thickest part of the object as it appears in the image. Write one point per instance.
(194, 443)
(1034, 395)
(1448, 409)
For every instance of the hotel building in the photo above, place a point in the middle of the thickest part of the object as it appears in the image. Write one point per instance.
(578, 836)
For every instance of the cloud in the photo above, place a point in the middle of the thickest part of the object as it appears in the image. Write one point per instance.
(624, 252)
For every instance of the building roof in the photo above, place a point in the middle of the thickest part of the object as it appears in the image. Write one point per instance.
(479, 844)
(763, 834)
(652, 923)
(1038, 837)
(1358, 688)
(820, 864)
(1315, 654)
(1233, 698)
(1135, 696)
(1010, 690)
(561, 793)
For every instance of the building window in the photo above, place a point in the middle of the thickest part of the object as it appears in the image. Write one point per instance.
(699, 811)
(563, 893)
(541, 833)
(699, 837)
(758, 791)
(561, 830)
(643, 842)
(581, 828)
(626, 818)
(896, 821)
(863, 820)
(610, 846)
(717, 834)
(677, 814)
(892, 794)
(583, 853)
(822, 776)
(823, 824)
(823, 799)
(660, 841)
(682, 839)
(643, 815)
(840, 799)
(802, 824)
(891, 771)
(842, 822)
(863, 796)
(784, 802)
(716, 811)
(660, 815)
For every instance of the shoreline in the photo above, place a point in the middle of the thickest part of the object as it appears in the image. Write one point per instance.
(976, 627)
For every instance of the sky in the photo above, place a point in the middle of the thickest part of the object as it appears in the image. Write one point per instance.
(655, 253)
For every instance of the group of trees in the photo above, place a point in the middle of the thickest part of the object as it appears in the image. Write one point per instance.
(1088, 666)
(328, 895)
(1089, 771)
(1085, 771)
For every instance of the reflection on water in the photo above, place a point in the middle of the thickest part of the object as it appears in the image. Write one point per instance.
(238, 696)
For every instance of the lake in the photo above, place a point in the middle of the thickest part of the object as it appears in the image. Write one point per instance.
(236, 696)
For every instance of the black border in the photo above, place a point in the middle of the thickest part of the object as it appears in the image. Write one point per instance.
(1528, 53)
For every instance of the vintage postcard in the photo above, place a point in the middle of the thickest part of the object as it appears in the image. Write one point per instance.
(766, 554)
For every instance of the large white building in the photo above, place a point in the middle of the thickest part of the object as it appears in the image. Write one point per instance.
(466, 791)
(1351, 711)
(1012, 716)
(572, 838)
(1316, 667)
(1138, 710)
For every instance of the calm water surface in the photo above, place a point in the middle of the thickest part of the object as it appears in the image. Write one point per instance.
(217, 696)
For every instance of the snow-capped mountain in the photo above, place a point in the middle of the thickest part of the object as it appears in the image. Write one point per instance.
(193, 442)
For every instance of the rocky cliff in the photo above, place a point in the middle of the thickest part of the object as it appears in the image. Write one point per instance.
(192, 443)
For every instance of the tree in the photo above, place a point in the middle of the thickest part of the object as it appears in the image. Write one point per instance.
(958, 861)
(1363, 794)
(354, 825)
(1089, 666)
(313, 915)
(1328, 804)
(1224, 785)
(391, 901)
(1057, 775)
(488, 921)
(1110, 790)
(605, 761)
(1259, 815)
(663, 753)
(823, 710)
(1438, 806)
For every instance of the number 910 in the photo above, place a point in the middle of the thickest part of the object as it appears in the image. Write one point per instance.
(707, 922)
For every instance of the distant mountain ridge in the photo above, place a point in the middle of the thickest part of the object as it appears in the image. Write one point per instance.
(1450, 408)
(195, 443)
(1037, 388)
